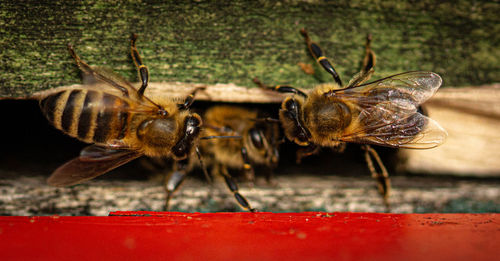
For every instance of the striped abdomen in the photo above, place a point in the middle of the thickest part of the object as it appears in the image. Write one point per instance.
(89, 115)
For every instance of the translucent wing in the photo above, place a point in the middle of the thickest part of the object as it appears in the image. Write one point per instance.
(92, 162)
(417, 87)
(387, 111)
(94, 75)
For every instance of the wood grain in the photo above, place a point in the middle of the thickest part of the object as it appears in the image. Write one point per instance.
(471, 116)
(295, 193)
(231, 42)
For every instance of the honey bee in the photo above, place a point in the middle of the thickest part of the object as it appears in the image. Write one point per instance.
(257, 145)
(383, 112)
(119, 120)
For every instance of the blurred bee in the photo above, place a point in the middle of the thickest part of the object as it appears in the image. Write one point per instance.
(258, 145)
(382, 113)
(119, 120)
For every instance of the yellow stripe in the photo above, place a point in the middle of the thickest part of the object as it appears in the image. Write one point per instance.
(321, 58)
(59, 108)
(73, 129)
(142, 66)
(93, 117)
(247, 166)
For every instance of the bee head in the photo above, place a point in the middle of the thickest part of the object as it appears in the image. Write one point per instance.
(291, 118)
(188, 136)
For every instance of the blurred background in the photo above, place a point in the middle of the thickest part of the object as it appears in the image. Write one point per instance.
(231, 43)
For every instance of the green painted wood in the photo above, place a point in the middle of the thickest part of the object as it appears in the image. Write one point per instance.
(233, 41)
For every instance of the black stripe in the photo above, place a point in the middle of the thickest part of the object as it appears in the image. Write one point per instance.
(69, 108)
(123, 122)
(86, 115)
(49, 105)
(104, 118)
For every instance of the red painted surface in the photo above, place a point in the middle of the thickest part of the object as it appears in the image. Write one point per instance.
(252, 236)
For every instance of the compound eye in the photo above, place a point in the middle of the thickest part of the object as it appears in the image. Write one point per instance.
(291, 105)
(192, 125)
(256, 137)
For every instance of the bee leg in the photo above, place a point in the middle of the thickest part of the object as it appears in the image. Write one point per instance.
(280, 88)
(339, 148)
(173, 181)
(368, 63)
(189, 99)
(141, 68)
(202, 165)
(382, 177)
(270, 178)
(303, 152)
(249, 172)
(233, 187)
(317, 53)
(370, 60)
(274, 161)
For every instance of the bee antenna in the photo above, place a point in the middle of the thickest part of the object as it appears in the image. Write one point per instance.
(266, 120)
(133, 37)
(220, 137)
(202, 165)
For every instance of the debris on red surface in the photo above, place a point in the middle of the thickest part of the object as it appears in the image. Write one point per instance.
(252, 236)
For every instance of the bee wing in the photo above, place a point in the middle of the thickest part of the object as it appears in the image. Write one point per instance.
(414, 132)
(92, 162)
(416, 86)
(95, 75)
(388, 113)
(102, 77)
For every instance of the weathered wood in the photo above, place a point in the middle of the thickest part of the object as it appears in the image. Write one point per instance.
(471, 116)
(231, 42)
(216, 92)
(31, 196)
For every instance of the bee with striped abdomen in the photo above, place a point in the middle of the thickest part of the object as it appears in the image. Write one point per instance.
(384, 112)
(120, 121)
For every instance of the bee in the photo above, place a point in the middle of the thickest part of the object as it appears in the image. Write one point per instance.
(119, 120)
(258, 145)
(383, 112)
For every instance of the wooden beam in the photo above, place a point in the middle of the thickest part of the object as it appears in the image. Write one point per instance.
(28, 196)
(232, 42)
(472, 118)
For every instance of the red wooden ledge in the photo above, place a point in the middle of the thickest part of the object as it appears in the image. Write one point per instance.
(252, 236)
